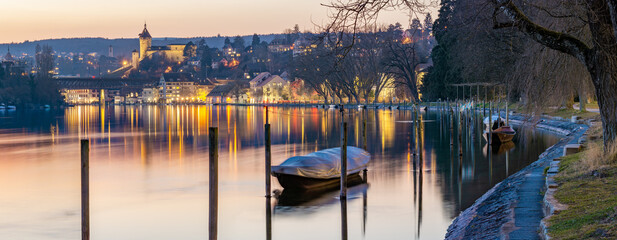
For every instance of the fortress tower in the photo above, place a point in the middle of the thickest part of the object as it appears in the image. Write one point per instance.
(145, 42)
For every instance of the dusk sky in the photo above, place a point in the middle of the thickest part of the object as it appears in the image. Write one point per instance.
(43, 19)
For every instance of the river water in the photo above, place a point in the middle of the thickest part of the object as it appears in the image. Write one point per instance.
(149, 172)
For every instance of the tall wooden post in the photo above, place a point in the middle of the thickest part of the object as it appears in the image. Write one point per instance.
(490, 125)
(268, 155)
(507, 114)
(485, 98)
(344, 161)
(267, 120)
(85, 189)
(214, 189)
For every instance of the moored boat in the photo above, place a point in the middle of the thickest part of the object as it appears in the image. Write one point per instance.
(504, 134)
(320, 170)
(501, 133)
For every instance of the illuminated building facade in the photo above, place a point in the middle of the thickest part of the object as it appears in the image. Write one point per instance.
(269, 88)
(173, 52)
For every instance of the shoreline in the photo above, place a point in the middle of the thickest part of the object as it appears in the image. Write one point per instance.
(492, 216)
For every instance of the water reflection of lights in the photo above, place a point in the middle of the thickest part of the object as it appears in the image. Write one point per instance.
(141, 164)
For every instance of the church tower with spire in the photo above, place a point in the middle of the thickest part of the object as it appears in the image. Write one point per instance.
(145, 42)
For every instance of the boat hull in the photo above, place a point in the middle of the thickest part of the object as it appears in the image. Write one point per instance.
(298, 183)
(502, 135)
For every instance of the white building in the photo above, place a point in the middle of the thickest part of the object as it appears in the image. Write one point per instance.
(269, 88)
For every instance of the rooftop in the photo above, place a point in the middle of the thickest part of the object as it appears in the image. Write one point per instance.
(145, 33)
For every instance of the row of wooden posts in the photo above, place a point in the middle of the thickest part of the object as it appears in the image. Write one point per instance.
(213, 168)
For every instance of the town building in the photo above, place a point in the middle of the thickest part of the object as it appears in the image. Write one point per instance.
(177, 87)
(12, 66)
(279, 46)
(269, 88)
(173, 52)
(302, 47)
(233, 92)
(98, 90)
(150, 95)
(80, 96)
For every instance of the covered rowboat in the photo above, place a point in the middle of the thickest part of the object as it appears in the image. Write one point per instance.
(321, 170)
(501, 133)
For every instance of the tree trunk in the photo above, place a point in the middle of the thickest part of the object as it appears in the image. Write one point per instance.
(376, 98)
(604, 75)
(582, 100)
(600, 60)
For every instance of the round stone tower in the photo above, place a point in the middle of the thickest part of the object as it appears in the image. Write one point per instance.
(145, 42)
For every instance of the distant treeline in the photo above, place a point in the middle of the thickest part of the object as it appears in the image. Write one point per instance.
(121, 46)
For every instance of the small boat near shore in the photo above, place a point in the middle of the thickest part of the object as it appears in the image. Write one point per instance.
(501, 133)
(320, 170)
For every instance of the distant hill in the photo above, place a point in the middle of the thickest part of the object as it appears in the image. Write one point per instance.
(122, 46)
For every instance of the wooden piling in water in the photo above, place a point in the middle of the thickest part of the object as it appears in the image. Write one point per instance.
(213, 174)
(268, 159)
(344, 161)
(507, 114)
(485, 98)
(85, 189)
(490, 123)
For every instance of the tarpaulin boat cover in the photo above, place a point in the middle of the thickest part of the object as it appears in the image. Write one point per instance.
(324, 164)
(493, 118)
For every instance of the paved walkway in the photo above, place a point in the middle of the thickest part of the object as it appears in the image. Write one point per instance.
(512, 209)
(528, 210)
(595, 110)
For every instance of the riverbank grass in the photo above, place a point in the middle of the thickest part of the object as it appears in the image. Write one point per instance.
(588, 186)
(568, 113)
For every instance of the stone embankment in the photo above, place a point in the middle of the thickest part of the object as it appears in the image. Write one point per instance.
(513, 208)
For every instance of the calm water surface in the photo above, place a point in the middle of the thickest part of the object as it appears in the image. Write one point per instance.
(149, 172)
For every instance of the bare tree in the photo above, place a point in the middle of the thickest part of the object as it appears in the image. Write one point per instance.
(598, 55)
(403, 56)
(308, 67)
